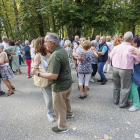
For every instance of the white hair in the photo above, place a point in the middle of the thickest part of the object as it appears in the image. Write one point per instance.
(1, 46)
(103, 37)
(82, 38)
(26, 42)
(76, 36)
(68, 43)
(128, 36)
(93, 42)
(53, 37)
(4, 38)
(97, 36)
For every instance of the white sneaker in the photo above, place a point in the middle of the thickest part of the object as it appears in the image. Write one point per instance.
(94, 78)
(91, 80)
(133, 108)
(28, 76)
(50, 117)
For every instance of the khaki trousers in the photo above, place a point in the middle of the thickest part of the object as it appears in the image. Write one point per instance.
(122, 80)
(62, 107)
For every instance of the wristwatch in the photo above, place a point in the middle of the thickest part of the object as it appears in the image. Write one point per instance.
(38, 74)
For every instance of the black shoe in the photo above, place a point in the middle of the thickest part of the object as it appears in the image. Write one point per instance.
(103, 82)
(99, 80)
(57, 130)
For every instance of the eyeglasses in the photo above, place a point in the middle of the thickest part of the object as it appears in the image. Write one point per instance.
(47, 41)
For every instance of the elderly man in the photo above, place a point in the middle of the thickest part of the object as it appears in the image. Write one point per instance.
(59, 75)
(63, 42)
(123, 63)
(98, 42)
(103, 56)
(5, 42)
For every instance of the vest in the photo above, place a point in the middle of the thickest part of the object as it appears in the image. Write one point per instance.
(103, 58)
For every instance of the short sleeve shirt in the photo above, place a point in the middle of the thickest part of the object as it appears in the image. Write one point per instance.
(59, 64)
(104, 49)
(85, 67)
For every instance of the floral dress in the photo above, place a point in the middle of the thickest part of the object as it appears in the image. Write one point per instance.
(69, 52)
(85, 66)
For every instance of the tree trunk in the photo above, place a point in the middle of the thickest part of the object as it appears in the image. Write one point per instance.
(8, 19)
(62, 32)
(69, 33)
(40, 19)
(16, 14)
(134, 30)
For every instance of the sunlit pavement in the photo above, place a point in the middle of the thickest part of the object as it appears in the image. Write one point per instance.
(23, 115)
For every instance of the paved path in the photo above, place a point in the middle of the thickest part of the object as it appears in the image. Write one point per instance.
(23, 115)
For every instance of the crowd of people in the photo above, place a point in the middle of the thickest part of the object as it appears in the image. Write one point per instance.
(52, 61)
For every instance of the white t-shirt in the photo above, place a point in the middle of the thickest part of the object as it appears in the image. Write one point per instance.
(32, 55)
(6, 45)
(5, 64)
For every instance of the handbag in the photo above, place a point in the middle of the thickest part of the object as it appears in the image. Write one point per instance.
(10, 57)
(39, 81)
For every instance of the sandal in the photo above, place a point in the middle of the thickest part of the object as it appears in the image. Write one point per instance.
(85, 96)
(81, 97)
(9, 94)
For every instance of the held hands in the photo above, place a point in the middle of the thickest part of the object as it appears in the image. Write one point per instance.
(93, 49)
(35, 69)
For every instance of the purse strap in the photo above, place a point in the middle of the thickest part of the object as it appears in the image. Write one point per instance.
(41, 60)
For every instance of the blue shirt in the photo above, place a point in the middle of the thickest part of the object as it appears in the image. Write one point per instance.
(80, 48)
(98, 43)
(18, 50)
(62, 43)
(104, 49)
(27, 54)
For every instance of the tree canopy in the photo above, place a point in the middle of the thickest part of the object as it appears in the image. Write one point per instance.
(32, 18)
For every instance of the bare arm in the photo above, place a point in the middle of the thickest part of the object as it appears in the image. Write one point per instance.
(10, 52)
(96, 55)
(35, 71)
(101, 53)
(3, 57)
(135, 51)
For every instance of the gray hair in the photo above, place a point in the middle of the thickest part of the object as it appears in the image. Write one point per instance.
(82, 38)
(103, 37)
(97, 36)
(93, 42)
(128, 36)
(4, 38)
(26, 42)
(1, 46)
(76, 36)
(54, 38)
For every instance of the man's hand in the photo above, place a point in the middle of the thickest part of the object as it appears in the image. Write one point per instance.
(6, 61)
(35, 71)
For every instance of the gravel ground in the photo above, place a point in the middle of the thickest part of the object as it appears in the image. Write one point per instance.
(23, 115)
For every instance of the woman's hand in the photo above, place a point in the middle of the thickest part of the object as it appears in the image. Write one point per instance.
(93, 49)
(134, 51)
(35, 71)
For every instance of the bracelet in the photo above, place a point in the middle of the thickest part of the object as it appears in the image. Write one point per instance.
(38, 74)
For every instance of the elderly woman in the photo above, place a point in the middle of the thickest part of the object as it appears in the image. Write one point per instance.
(94, 61)
(69, 51)
(42, 52)
(6, 71)
(27, 57)
(117, 41)
(84, 67)
(15, 58)
(108, 62)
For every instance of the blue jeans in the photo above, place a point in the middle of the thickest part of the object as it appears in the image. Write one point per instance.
(100, 70)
